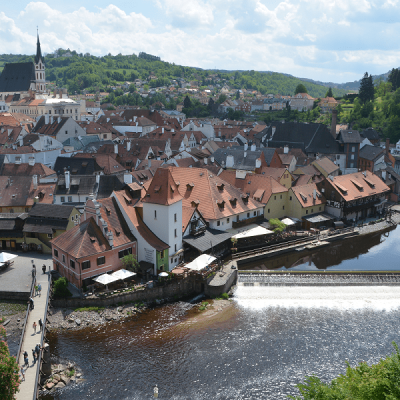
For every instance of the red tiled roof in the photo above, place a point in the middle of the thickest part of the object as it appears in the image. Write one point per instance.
(304, 195)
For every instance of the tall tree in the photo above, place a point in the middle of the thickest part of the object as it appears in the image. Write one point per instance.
(394, 78)
(366, 92)
(300, 88)
(187, 103)
(329, 93)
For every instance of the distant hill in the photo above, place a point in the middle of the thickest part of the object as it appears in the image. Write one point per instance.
(86, 72)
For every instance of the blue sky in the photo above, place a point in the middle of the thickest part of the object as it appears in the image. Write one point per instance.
(324, 40)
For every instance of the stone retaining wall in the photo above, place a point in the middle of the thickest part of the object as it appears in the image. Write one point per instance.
(19, 296)
(184, 287)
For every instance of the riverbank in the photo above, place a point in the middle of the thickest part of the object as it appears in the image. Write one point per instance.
(12, 315)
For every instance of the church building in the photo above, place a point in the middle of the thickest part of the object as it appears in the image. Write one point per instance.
(24, 79)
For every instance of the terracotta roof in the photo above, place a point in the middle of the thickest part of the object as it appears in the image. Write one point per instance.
(163, 189)
(214, 197)
(128, 203)
(358, 185)
(82, 240)
(93, 128)
(9, 134)
(259, 187)
(25, 169)
(187, 213)
(305, 195)
(275, 173)
(326, 164)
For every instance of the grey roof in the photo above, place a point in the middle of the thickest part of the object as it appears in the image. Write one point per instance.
(371, 152)
(93, 147)
(17, 77)
(50, 211)
(38, 51)
(370, 134)
(78, 143)
(349, 136)
(240, 161)
(268, 154)
(44, 225)
(80, 184)
(209, 238)
(109, 183)
(76, 165)
(311, 138)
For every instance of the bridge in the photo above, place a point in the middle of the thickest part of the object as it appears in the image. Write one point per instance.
(318, 278)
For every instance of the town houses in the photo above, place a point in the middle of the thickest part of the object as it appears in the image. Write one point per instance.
(90, 185)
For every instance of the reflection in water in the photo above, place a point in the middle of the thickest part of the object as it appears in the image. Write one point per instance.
(274, 338)
(341, 256)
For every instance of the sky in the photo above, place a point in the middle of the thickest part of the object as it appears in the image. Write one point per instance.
(327, 40)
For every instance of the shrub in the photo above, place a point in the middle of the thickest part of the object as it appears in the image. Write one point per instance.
(71, 373)
(61, 288)
(225, 296)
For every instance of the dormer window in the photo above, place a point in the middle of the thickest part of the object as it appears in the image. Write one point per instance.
(190, 186)
(220, 186)
(157, 189)
(221, 204)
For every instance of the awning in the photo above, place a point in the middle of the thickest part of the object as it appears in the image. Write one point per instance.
(122, 274)
(200, 262)
(288, 221)
(105, 279)
(249, 231)
(206, 240)
(314, 219)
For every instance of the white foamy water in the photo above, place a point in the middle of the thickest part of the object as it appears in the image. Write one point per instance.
(331, 297)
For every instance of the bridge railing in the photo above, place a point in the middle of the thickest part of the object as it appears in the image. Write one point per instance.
(39, 360)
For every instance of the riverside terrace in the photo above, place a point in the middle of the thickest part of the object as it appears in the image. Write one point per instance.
(15, 281)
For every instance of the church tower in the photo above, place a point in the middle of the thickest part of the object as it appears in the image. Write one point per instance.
(40, 78)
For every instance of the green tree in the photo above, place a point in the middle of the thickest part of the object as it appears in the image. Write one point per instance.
(276, 225)
(221, 98)
(9, 379)
(394, 78)
(366, 92)
(187, 103)
(329, 93)
(129, 262)
(60, 288)
(300, 88)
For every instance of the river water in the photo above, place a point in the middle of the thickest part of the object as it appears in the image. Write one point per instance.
(258, 348)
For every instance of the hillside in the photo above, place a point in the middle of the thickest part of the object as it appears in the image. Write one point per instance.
(80, 72)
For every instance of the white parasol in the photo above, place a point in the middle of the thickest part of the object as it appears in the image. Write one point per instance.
(163, 274)
(105, 279)
(122, 274)
(4, 257)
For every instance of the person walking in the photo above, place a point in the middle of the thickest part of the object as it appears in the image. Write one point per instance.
(40, 289)
(22, 371)
(30, 302)
(26, 360)
(34, 327)
(40, 324)
(44, 268)
(34, 356)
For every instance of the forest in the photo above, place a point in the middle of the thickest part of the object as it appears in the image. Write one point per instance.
(78, 72)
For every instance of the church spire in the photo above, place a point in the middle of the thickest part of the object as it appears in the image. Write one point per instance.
(38, 51)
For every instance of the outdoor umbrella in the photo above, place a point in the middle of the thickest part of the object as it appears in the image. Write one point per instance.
(4, 257)
(163, 274)
(123, 274)
(105, 279)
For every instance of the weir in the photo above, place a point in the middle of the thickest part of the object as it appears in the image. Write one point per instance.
(318, 278)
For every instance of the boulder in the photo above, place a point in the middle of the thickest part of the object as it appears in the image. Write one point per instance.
(65, 379)
(49, 385)
(78, 321)
(56, 377)
(70, 320)
(60, 385)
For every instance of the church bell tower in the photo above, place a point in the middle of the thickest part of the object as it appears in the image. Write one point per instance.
(39, 69)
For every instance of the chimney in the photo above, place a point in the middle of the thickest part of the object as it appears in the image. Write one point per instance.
(31, 161)
(286, 149)
(134, 118)
(98, 179)
(128, 178)
(116, 148)
(149, 163)
(51, 119)
(35, 181)
(246, 146)
(314, 194)
(67, 176)
(111, 239)
(128, 145)
(162, 130)
(333, 126)
(384, 175)
(229, 161)
(205, 161)
(253, 147)
(58, 119)
(245, 154)
(46, 119)
(273, 131)
(258, 163)
(21, 142)
(387, 146)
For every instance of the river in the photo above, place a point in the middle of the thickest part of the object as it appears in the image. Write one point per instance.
(258, 348)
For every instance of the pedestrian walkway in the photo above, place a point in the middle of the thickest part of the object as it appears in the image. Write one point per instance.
(30, 340)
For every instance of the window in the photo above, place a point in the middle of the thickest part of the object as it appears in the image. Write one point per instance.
(227, 220)
(175, 249)
(281, 197)
(320, 209)
(352, 157)
(255, 213)
(274, 197)
(248, 215)
(155, 214)
(162, 254)
(56, 253)
(72, 218)
(353, 149)
(72, 264)
(175, 233)
(269, 210)
(63, 258)
(351, 165)
(218, 223)
(101, 260)
(306, 211)
(104, 135)
(69, 199)
(50, 235)
(66, 132)
(312, 210)
(86, 265)
(175, 218)
(283, 207)
(26, 209)
(123, 253)
(290, 198)
(62, 199)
